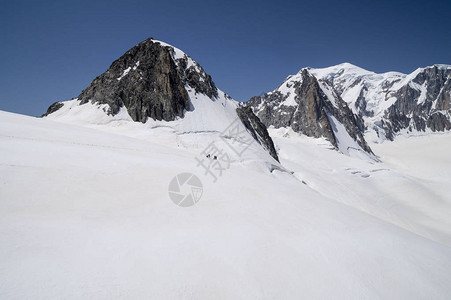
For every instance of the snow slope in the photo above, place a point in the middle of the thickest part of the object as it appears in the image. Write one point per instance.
(195, 132)
(408, 188)
(86, 214)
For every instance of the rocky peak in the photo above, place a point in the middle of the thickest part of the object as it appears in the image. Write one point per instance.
(310, 107)
(158, 81)
(149, 80)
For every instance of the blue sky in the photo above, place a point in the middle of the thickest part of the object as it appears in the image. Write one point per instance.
(52, 50)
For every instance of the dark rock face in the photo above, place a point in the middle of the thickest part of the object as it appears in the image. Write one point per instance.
(311, 114)
(146, 81)
(150, 83)
(415, 111)
(195, 76)
(268, 112)
(361, 104)
(52, 108)
(308, 117)
(257, 129)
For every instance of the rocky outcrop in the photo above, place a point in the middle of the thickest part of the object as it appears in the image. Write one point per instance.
(308, 117)
(307, 106)
(149, 81)
(146, 81)
(52, 108)
(195, 76)
(422, 103)
(257, 129)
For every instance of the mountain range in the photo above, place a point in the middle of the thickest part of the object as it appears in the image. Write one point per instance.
(345, 104)
(369, 105)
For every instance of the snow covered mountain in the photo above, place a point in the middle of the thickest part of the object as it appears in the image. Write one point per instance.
(394, 103)
(313, 108)
(353, 104)
(162, 87)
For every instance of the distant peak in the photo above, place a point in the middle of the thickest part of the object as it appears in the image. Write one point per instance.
(442, 66)
(346, 65)
(343, 68)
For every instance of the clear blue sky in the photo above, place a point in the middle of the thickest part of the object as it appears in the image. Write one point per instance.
(52, 50)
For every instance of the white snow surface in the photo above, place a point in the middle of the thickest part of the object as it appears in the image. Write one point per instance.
(196, 130)
(409, 187)
(86, 214)
(349, 80)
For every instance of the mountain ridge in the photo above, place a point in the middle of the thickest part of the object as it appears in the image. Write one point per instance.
(344, 103)
(384, 105)
(392, 102)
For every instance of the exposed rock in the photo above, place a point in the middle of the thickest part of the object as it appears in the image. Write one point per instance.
(52, 108)
(145, 80)
(422, 103)
(257, 129)
(302, 104)
(149, 81)
(439, 122)
(195, 76)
